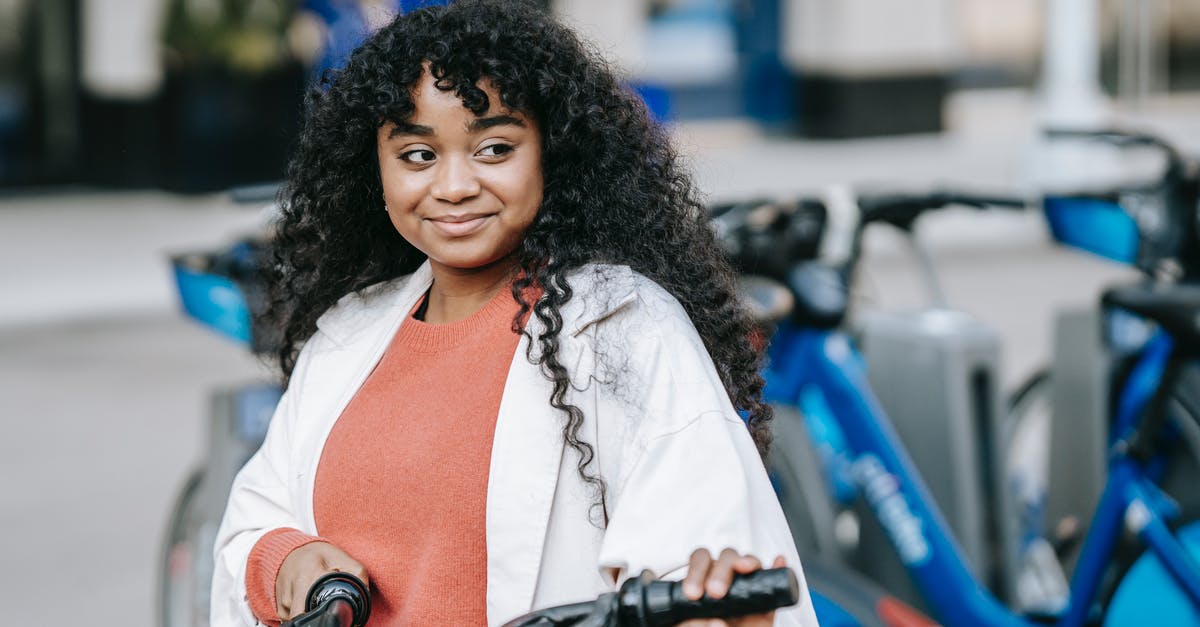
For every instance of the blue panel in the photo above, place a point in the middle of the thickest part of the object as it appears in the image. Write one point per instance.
(1149, 596)
(215, 301)
(1097, 226)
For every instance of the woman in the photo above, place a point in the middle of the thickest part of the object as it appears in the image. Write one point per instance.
(515, 358)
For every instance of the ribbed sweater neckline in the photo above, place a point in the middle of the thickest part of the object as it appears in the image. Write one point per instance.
(425, 337)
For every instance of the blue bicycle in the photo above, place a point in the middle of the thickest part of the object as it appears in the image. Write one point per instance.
(841, 447)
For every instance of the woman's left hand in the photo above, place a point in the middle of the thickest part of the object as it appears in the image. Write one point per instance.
(713, 577)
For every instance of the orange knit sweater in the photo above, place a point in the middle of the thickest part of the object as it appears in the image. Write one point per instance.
(402, 481)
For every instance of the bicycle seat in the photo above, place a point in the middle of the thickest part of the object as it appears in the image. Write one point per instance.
(1176, 308)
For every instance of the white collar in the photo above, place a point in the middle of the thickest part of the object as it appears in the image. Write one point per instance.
(599, 291)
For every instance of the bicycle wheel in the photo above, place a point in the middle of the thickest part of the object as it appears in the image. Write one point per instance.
(185, 568)
(799, 481)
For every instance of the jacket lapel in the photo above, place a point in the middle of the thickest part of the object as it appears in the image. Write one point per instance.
(361, 317)
(526, 454)
(527, 449)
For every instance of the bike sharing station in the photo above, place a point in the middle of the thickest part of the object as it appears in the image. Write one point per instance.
(912, 480)
(923, 485)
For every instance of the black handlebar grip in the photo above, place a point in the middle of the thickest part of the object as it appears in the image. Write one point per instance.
(645, 602)
(338, 586)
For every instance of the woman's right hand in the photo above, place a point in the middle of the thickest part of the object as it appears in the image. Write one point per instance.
(303, 567)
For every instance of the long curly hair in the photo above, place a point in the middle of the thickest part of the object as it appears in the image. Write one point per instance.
(614, 192)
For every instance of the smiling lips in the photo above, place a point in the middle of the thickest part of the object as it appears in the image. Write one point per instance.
(460, 225)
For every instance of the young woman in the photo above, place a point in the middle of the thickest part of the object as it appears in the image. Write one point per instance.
(515, 357)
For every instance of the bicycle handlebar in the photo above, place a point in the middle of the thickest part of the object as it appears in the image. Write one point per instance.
(651, 603)
(901, 210)
(752, 235)
(341, 600)
(646, 602)
(1176, 164)
(335, 600)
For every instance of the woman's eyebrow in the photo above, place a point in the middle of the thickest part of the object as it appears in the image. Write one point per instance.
(481, 124)
(404, 128)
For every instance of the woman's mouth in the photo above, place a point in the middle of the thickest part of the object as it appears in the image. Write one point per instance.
(460, 226)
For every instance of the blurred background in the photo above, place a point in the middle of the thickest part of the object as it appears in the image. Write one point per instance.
(123, 123)
(197, 95)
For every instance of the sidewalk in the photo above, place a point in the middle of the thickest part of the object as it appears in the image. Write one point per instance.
(87, 254)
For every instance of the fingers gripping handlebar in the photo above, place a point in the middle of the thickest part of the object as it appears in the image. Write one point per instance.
(335, 600)
(646, 602)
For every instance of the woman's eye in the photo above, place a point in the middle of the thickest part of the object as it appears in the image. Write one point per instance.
(418, 156)
(495, 150)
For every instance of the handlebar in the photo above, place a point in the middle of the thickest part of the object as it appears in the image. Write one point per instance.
(902, 210)
(335, 600)
(1161, 214)
(1176, 164)
(341, 600)
(646, 602)
(762, 239)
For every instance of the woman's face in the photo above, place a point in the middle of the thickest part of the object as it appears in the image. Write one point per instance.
(461, 188)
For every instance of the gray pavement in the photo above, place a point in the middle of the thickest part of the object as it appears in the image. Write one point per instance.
(102, 420)
(103, 385)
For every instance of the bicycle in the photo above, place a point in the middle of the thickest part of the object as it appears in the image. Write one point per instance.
(341, 600)
(1140, 225)
(775, 246)
(223, 290)
(859, 455)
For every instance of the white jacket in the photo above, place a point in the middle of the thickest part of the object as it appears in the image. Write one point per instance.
(681, 469)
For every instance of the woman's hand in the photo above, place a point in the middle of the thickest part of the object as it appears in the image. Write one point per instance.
(303, 567)
(713, 577)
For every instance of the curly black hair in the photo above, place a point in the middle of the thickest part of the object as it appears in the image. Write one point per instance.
(614, 192)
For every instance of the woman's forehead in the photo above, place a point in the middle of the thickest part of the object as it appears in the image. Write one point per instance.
(433, 103)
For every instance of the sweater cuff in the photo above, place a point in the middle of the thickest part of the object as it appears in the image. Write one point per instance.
(262, 569)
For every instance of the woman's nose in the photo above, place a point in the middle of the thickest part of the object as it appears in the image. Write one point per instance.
(455, 180)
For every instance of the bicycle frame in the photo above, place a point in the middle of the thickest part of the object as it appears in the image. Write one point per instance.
(860, 446)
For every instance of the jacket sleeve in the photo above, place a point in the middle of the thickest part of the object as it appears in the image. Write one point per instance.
(259, 502)
(700, 487)
(690, 476)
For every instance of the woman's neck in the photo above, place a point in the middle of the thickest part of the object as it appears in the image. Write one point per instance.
(457, 293)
